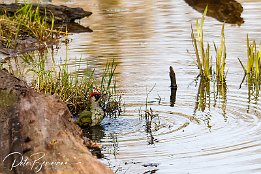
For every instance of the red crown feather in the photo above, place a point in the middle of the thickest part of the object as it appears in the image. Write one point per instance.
(94, 93)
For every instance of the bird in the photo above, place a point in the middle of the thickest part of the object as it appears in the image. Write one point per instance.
(94, 113)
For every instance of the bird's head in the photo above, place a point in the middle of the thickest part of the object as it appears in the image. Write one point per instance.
(96, 95)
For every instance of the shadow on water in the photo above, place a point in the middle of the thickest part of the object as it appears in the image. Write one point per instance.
(97, 134)
(228, 11)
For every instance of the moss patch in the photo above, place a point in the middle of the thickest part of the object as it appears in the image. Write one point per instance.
(7, 98)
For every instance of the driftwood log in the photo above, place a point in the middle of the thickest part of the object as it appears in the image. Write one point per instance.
(228, 11)
(38, 135)
(61, 14)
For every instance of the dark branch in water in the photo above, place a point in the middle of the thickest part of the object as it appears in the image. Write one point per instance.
(172, 78)
(173, 86)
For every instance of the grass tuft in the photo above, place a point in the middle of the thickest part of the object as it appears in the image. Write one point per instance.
(252, 69)
(203, 58)
(74, 89)
(25, 23)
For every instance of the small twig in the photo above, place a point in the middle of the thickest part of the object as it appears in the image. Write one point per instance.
(242, 66)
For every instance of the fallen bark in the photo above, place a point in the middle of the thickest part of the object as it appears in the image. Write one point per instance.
(39, 131)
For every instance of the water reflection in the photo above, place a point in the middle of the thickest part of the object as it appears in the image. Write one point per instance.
(253, 88)
(220, 92)
(173, 93)
(150, 125)
(204, 99)
(222, 10)
(203, 95)
(76, 28)
(96, 133)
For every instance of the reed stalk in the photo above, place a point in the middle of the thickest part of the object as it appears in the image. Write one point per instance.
(221, 58)
(202, 54)
(252, 69)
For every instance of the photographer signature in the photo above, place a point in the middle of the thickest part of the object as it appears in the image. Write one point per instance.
(35, 161)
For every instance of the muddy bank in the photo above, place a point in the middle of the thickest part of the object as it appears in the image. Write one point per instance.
(37, 38)
(228, 11)
(38, 135)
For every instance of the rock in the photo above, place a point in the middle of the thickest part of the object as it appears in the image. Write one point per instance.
(228, 11)
(38, 129)
(61, 14)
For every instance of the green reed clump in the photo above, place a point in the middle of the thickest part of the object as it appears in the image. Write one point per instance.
(26, 22)
(111, 104)
(203, 57)
(221, 57)
(74, 89)
(202, 54)
(107, 77)
(252, 69)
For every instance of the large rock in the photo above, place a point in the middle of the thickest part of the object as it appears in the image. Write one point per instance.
(38, 135)
(228, 11)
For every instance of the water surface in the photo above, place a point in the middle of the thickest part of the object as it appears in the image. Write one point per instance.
(145, 38)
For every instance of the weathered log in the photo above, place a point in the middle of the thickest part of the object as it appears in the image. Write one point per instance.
(228, 11)
(61, 14)
(38, 135)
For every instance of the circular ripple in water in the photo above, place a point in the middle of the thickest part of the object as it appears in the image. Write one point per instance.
(183, 141)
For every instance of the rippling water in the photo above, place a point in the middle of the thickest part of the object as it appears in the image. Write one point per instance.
(145, 38)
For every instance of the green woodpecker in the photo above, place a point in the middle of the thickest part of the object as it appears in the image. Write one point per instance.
(94, 114)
